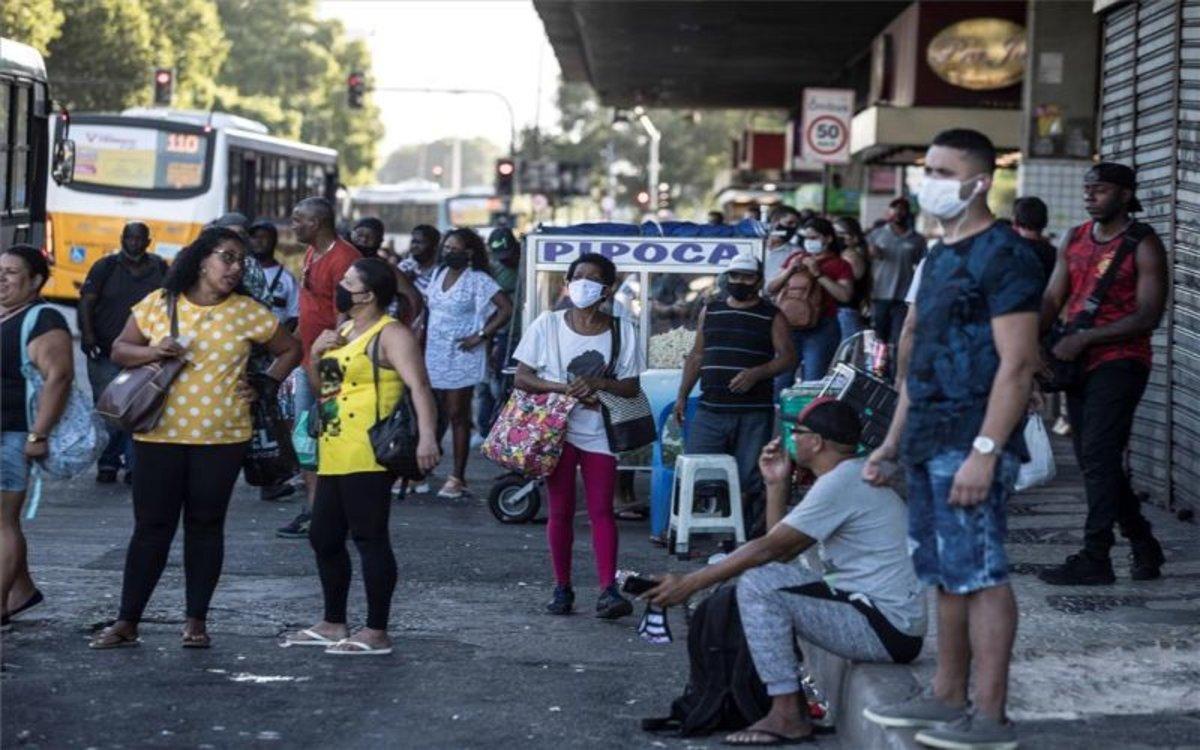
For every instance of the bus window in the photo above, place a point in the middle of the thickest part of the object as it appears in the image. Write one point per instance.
(233, 185)
(19, 153)
(126, 158)
(5, 94)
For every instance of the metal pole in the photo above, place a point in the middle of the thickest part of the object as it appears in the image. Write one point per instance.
(826, 180)
(653, 168)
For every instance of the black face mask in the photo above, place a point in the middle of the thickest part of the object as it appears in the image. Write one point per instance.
(457, 261)
(740, 292)
(343, 299)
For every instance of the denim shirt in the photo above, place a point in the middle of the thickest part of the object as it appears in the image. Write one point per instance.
(964, 286)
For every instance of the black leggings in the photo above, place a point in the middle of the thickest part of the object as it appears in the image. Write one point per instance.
(170, 478)
(359, 504)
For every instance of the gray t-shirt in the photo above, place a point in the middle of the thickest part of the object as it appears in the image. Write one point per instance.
(773, 264)
(892, 267)
(863, 543)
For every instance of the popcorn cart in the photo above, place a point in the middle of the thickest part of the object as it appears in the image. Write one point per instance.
(665, 275)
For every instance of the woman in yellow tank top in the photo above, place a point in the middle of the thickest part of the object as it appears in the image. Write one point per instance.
(353, 490)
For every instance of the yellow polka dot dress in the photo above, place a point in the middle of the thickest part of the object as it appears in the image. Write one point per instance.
(203, 407)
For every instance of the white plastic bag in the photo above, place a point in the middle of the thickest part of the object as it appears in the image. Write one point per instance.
(1040, 468)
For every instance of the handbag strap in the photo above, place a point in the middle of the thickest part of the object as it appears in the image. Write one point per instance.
(1134, 234)
(614, 348)
(374, 354)
(173, 313)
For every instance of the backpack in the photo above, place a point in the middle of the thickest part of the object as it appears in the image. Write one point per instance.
(723, 691)
(802, 300)
(79, 436)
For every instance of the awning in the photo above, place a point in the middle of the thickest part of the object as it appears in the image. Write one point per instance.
(900, 135)
(711, 54)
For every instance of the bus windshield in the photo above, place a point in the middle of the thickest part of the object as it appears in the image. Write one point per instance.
(126, 157)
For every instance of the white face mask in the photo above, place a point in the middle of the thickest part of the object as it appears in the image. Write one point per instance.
(584, 292)
(940, 196)
(814, 246)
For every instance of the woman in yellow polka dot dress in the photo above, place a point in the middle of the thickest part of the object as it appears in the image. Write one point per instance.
(189, 462)
(354, 492)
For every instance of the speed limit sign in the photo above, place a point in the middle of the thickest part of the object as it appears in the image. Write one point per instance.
(826, 125)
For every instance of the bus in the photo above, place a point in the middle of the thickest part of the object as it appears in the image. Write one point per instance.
(404, 205)
(174, 170)
(26, 160)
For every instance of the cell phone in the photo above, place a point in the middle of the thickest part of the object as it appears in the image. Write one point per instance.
(637, 585)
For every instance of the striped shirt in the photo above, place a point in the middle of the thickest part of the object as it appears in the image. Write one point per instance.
(735, 340)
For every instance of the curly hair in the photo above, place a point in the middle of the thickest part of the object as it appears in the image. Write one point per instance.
(476, 250)
(185, 271)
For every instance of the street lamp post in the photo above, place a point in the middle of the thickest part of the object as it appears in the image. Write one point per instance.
(652, 168)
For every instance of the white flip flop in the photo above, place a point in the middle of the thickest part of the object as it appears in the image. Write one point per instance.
(313, 639)
(358, 649)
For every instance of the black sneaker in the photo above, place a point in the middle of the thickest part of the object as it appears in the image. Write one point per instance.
(1146, 560)
(276, 492)
(1080, 570)
(106, 476)
(612, 605)
(563, 601)
(297, 529)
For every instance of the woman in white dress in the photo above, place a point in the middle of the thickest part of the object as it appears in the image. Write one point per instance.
(466, 308)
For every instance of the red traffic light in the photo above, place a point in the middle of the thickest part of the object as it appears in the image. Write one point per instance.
(354, 80)
(505, 168)
(643, 197)
(162, 77)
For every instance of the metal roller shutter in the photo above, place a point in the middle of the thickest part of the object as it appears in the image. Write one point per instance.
(1139, 113)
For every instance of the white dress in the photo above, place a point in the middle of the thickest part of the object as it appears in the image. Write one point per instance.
(455, 314)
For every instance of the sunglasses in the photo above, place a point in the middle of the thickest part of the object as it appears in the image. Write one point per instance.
(230, 258)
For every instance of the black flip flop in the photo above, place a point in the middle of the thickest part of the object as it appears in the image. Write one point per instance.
(774, 739)
(34, 599)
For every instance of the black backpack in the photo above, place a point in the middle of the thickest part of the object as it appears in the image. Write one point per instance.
(723, 690)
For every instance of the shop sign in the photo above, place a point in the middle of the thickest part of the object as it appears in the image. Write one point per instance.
(981, 54)
(655, 253)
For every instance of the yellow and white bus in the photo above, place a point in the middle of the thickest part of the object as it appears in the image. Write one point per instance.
(175, 171)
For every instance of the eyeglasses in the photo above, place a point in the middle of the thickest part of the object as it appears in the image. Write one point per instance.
(798, 430)
(230, 258)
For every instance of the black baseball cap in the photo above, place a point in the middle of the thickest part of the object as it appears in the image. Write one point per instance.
(1116, 174)
(833, 420)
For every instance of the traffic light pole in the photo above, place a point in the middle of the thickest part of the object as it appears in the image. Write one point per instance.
(512, 119)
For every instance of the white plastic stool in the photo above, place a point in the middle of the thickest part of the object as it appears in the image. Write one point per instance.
(690, 469)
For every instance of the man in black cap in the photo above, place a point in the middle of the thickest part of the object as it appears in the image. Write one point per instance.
(1114, 350)
(866, 604)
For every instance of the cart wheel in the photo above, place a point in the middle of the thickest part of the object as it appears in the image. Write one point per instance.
(522, 508)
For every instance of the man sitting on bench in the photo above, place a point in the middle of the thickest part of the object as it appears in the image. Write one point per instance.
(866, 604)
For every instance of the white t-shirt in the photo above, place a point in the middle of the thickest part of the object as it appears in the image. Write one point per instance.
(560, 355)
(911, 297)
(283, 293)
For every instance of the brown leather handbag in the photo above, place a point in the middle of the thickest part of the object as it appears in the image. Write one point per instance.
(135, 399)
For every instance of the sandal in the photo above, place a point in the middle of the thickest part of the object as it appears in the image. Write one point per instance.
(453, 489)
(34, 599)
(108, 639)
(633, 513)
(763, 738)
(308, 637)
(196, 640)
(347, 647)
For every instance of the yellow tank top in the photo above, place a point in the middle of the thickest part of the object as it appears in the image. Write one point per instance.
(347, 403)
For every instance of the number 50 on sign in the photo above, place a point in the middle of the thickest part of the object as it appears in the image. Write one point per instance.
(825, 127)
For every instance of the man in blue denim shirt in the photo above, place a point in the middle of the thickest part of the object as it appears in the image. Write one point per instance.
(957, 428)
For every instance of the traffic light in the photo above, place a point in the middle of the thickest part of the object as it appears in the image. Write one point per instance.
(164, 85)
(356, 88)
(643, 199)
(506, 170)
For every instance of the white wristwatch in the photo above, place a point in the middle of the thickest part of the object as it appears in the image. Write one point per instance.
(984, 445)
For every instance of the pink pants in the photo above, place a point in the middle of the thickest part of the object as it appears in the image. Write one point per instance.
(599, 479)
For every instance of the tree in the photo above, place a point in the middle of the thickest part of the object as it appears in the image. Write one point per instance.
(34, 22)
(104, 56)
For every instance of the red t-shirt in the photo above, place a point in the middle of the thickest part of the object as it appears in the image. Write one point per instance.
(318, 283)
(1086, 263)
(831, 265)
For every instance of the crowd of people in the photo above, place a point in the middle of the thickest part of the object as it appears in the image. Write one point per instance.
(357, 333)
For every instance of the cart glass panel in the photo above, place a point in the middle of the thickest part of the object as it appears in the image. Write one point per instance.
(675, 301)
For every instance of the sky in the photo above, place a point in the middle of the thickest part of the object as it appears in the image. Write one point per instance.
(479, 44)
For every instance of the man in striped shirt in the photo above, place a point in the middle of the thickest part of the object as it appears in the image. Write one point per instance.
(742, 343)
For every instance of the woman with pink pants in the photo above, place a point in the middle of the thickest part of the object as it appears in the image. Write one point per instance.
(570, 352)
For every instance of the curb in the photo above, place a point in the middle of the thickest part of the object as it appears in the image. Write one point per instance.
(852, 686)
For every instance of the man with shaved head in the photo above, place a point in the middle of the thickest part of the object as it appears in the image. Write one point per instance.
(326, 260)
(113, 286)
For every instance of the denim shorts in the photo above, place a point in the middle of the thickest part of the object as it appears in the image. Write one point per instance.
(14, 467)
(960, 550)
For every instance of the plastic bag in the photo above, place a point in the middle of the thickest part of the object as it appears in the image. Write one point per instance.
(304, 444)
(672, 441)
(270, 459)
(1040, 468)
